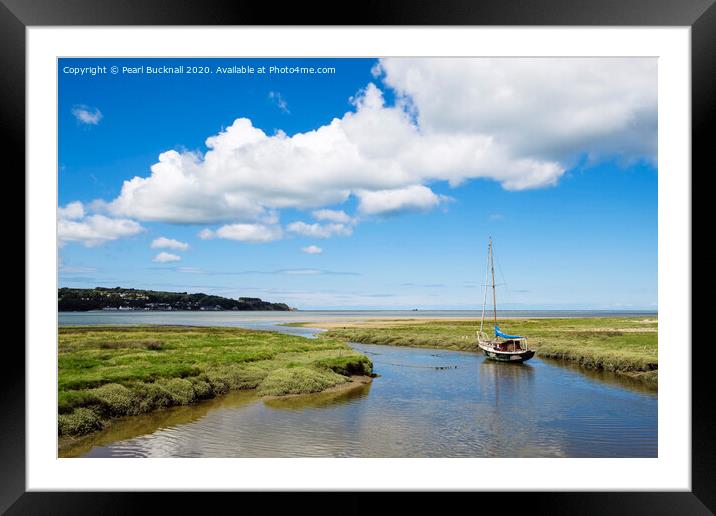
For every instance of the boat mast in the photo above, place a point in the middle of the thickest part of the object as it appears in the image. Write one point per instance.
(494, 295)
(484, 291)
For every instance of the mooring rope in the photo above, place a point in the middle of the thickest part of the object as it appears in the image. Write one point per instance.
(418, 366)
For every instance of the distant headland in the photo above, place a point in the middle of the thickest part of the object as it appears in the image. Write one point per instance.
(118, 298)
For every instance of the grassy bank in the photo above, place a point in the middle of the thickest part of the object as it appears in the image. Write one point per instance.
(108, 372)
(622, 345)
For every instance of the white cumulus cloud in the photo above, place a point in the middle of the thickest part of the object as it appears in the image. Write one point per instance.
(520, 122)
(387, 202)
(252, 233)
(74, 225)
(206, 234)
(320, 230)
(72, 211)
(86, 114)
(168, 243)
(539, 108)
(165, 257)
(333, 216)
(312, 249)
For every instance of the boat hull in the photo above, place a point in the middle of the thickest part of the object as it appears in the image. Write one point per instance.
(515, 357)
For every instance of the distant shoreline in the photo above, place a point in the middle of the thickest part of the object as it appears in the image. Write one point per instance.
(121, 299)
(374, 322)
(411, 313)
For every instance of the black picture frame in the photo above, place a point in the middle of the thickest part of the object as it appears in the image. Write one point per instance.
(700, 15)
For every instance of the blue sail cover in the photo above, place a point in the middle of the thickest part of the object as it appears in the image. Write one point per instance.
(498, 333)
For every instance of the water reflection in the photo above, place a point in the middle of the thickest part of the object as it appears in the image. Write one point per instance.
(508, 380)
(320, 400)
(506, 373)
(135, 426)
(508, 390)
(426, 403)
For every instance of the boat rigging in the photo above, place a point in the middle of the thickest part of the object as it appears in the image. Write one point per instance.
(502, 347)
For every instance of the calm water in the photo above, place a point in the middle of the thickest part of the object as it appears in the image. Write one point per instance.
(426, 403)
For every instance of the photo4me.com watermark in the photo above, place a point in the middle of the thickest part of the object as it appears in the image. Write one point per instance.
(187, 69)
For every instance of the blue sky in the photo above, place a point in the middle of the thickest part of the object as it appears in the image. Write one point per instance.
(375, 185)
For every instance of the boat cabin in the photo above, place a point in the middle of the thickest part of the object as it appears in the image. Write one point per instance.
(510, 345)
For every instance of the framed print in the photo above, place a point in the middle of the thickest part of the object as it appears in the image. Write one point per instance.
(441, 249)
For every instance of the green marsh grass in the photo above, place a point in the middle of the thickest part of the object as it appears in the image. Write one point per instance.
(109, 372)
(626, 345)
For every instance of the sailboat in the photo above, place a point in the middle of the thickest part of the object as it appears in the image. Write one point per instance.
(502, 346)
